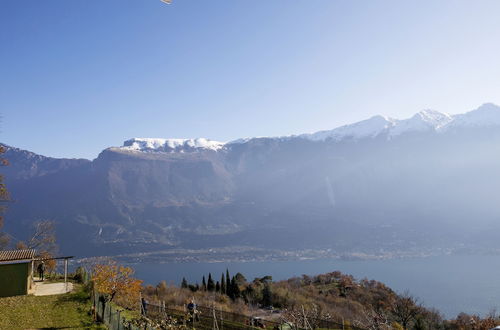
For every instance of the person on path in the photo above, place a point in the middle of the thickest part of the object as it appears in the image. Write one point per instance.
(41, 270)
(193, 312)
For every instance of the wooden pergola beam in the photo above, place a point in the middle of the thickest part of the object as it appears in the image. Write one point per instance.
(55, 258)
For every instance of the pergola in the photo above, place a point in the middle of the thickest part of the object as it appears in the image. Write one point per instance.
(55, 258)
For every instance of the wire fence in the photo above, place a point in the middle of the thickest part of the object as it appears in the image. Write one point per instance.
(112, 315)
(210, 318)
(160, 316)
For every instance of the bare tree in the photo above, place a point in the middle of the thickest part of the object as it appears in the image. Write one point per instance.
(405, 309)
(374, 319)
(43, 240)
(44, 237)
(308, 317)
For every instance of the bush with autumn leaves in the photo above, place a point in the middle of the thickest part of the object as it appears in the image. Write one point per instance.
(117, 284)
(333, 296)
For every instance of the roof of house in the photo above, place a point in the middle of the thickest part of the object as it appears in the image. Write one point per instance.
(16, 255)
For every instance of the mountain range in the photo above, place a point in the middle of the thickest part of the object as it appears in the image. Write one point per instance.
(428, 183)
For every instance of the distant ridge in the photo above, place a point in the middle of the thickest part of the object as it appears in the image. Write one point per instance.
(426, 120)
(378, 187)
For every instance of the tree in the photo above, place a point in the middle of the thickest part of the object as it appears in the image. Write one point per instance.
(252, 293)
(43, 240)
(375, 318)
(265, 279)
(345, 284)
(4, 198)
(203, 284)
(267, 295)
(420, 324)
(184, 283)
(217, 287)
(240, 279)
(44, 237)
(228, 283)
(210, 283)
(235, 292)
(114, 280)
(405, 308)
(161, 289)
(222, 284)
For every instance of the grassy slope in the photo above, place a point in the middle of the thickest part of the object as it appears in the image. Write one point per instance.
(52, 312)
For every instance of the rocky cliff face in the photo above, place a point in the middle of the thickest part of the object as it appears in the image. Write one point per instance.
(431, 188)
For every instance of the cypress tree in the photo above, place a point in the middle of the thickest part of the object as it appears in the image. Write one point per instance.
(184, 283)
(217, 287)
(235, 289)
(210, 284)
(204, 284)
(228, 283)
(222, 284)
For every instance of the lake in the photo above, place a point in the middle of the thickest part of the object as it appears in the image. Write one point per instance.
(451, 284)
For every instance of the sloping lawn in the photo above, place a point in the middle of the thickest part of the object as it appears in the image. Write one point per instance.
(67, 311)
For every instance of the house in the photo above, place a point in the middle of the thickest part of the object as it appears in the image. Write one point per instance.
(16, 269)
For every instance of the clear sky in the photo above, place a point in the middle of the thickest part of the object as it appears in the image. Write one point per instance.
(77, 76)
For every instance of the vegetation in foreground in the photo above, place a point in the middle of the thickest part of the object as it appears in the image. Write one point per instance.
(71, 310)
(333, 296)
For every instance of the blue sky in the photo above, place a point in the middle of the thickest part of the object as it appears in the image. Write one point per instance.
(82, 75)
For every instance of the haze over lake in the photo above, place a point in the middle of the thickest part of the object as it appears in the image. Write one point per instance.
(452, 284)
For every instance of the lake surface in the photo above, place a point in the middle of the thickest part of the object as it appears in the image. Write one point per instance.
(451, 284)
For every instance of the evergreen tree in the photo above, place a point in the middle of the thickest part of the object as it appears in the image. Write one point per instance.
(228, 283)
(222, 284)
(204, 284)
(184, 283)
(210, 284)
(240, 279)
(235, 289)
(267, 295)
(217, 287)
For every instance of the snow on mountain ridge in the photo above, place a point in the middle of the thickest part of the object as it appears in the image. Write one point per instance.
(366, 128)
(157, 144)
(427, 120)
(423, 121)
(486, 115)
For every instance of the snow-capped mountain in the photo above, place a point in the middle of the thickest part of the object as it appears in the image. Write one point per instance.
(486, 115)
(422, 121)
(430, 181)
(427, 120)
(364, 129)
(170, 145)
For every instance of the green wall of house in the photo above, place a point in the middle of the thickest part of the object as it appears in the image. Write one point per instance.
(14, 279)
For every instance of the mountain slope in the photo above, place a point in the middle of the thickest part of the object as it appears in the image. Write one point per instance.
(381, 186)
